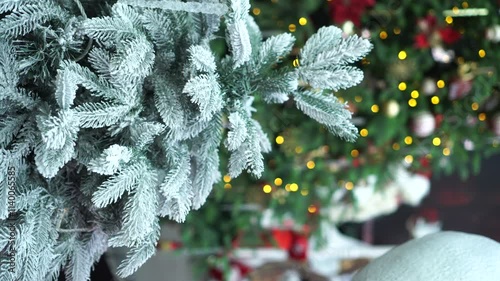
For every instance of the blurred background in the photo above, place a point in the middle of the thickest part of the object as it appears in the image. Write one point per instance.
(426, 160)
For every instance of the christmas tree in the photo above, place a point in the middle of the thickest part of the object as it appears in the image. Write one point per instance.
(429, 102)
(113, 115)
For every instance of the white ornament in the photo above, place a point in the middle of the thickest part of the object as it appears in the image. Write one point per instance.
(348, 27)
(437, 257)
(493, 33)
(429, 86)
(424, 124)
(392, 108)
(365, 33)
(439, 54)
(468, 145)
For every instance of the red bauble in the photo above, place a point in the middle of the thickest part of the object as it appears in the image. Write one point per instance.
(421, 41)
(439, 119)
(349, 10)
(283, 237)
(426, 169)
(449, 35)
(428, 27)
(298, 251)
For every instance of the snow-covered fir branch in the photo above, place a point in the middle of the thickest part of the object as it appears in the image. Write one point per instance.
(116, 120)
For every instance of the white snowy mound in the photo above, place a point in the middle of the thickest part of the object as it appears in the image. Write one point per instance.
(442, 256)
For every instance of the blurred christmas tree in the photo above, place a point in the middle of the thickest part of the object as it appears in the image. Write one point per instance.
(429, 104)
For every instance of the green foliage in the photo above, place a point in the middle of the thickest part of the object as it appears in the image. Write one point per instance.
(113, 118)
(465, 140)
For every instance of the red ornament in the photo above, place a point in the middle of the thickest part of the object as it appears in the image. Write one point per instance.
(283, 237)
(428, 28)
(169, 245)
(449, 35)
(241, 267)
(349, 10)
(426, 170)
(298, 251)
(439, 119)
(421, 41)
